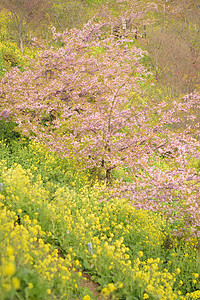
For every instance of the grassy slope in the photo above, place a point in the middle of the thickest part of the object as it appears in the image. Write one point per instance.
(131, 253)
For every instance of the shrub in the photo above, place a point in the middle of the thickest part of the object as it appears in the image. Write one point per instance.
(11, 55)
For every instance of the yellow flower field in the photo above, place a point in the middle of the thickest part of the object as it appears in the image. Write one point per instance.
(48, 231)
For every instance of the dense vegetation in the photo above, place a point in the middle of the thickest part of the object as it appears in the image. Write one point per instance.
(99, 150)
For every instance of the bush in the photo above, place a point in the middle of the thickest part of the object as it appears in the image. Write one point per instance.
(2, 67)
(7, 131)
(11, 55)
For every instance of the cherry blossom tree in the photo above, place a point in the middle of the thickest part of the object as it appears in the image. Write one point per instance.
(84, 100)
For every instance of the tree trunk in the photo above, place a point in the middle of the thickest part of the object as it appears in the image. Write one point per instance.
(108, 176)
(21, 45)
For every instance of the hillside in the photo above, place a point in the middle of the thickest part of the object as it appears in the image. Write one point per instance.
(99, 150)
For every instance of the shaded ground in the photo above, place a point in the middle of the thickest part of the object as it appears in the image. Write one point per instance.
(92, 286)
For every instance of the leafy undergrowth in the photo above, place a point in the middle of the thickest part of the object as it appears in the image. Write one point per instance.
(56, 225)
(31, 268)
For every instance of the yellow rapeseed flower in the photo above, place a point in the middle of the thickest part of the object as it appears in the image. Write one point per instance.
(111, 287)
(120, 285)
(194, 281)
(9, 269)
(105, 292)
(6, 286)
(9, 250)
(86, 297)
(77, 262)
(30, 285)
(16, 283)
(195, 295)
(140, 253)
